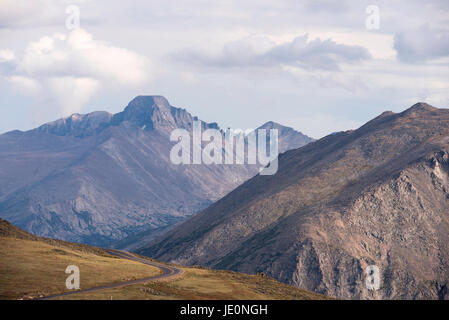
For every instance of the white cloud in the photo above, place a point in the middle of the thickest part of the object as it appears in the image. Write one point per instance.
(308, 54)
(25, 13)
(70, 93)
(26, 84)
(66, 70)
(422, 44)
(6, 55)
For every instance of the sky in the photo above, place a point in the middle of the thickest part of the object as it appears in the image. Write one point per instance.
(318, 66)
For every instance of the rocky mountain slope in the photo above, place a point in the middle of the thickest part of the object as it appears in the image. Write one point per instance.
(98, 178)
(378, 195)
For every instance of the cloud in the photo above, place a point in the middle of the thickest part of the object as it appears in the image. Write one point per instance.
(422, 44)
(29, 85)
(7, 61)
(25, 13)
(328, 6)
(316, 54)
(301, 52)
(6, 55)
(67, 69)
(81, 88)
(79, 55)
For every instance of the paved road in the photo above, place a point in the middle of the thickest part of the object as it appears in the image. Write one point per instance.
(167, 273)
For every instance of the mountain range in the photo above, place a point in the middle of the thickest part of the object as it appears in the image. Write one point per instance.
(102, 178)
(375, 196)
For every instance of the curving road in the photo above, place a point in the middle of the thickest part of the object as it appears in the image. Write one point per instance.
(167, 273)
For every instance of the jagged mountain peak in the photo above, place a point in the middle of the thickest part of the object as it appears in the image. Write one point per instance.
(140, 103)
(150, 112)
(146, 112)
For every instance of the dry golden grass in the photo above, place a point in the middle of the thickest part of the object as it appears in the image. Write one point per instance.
(30, 268)
(198, 284)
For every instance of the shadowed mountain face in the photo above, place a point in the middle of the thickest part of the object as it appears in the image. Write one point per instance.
(378, 195)
(97, 178)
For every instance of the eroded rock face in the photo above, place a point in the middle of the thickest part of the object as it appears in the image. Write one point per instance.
(398, 226)
(99, 178)
(374, 196)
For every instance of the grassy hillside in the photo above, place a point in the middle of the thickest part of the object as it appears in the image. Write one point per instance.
(206, 284)
(32, 267)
